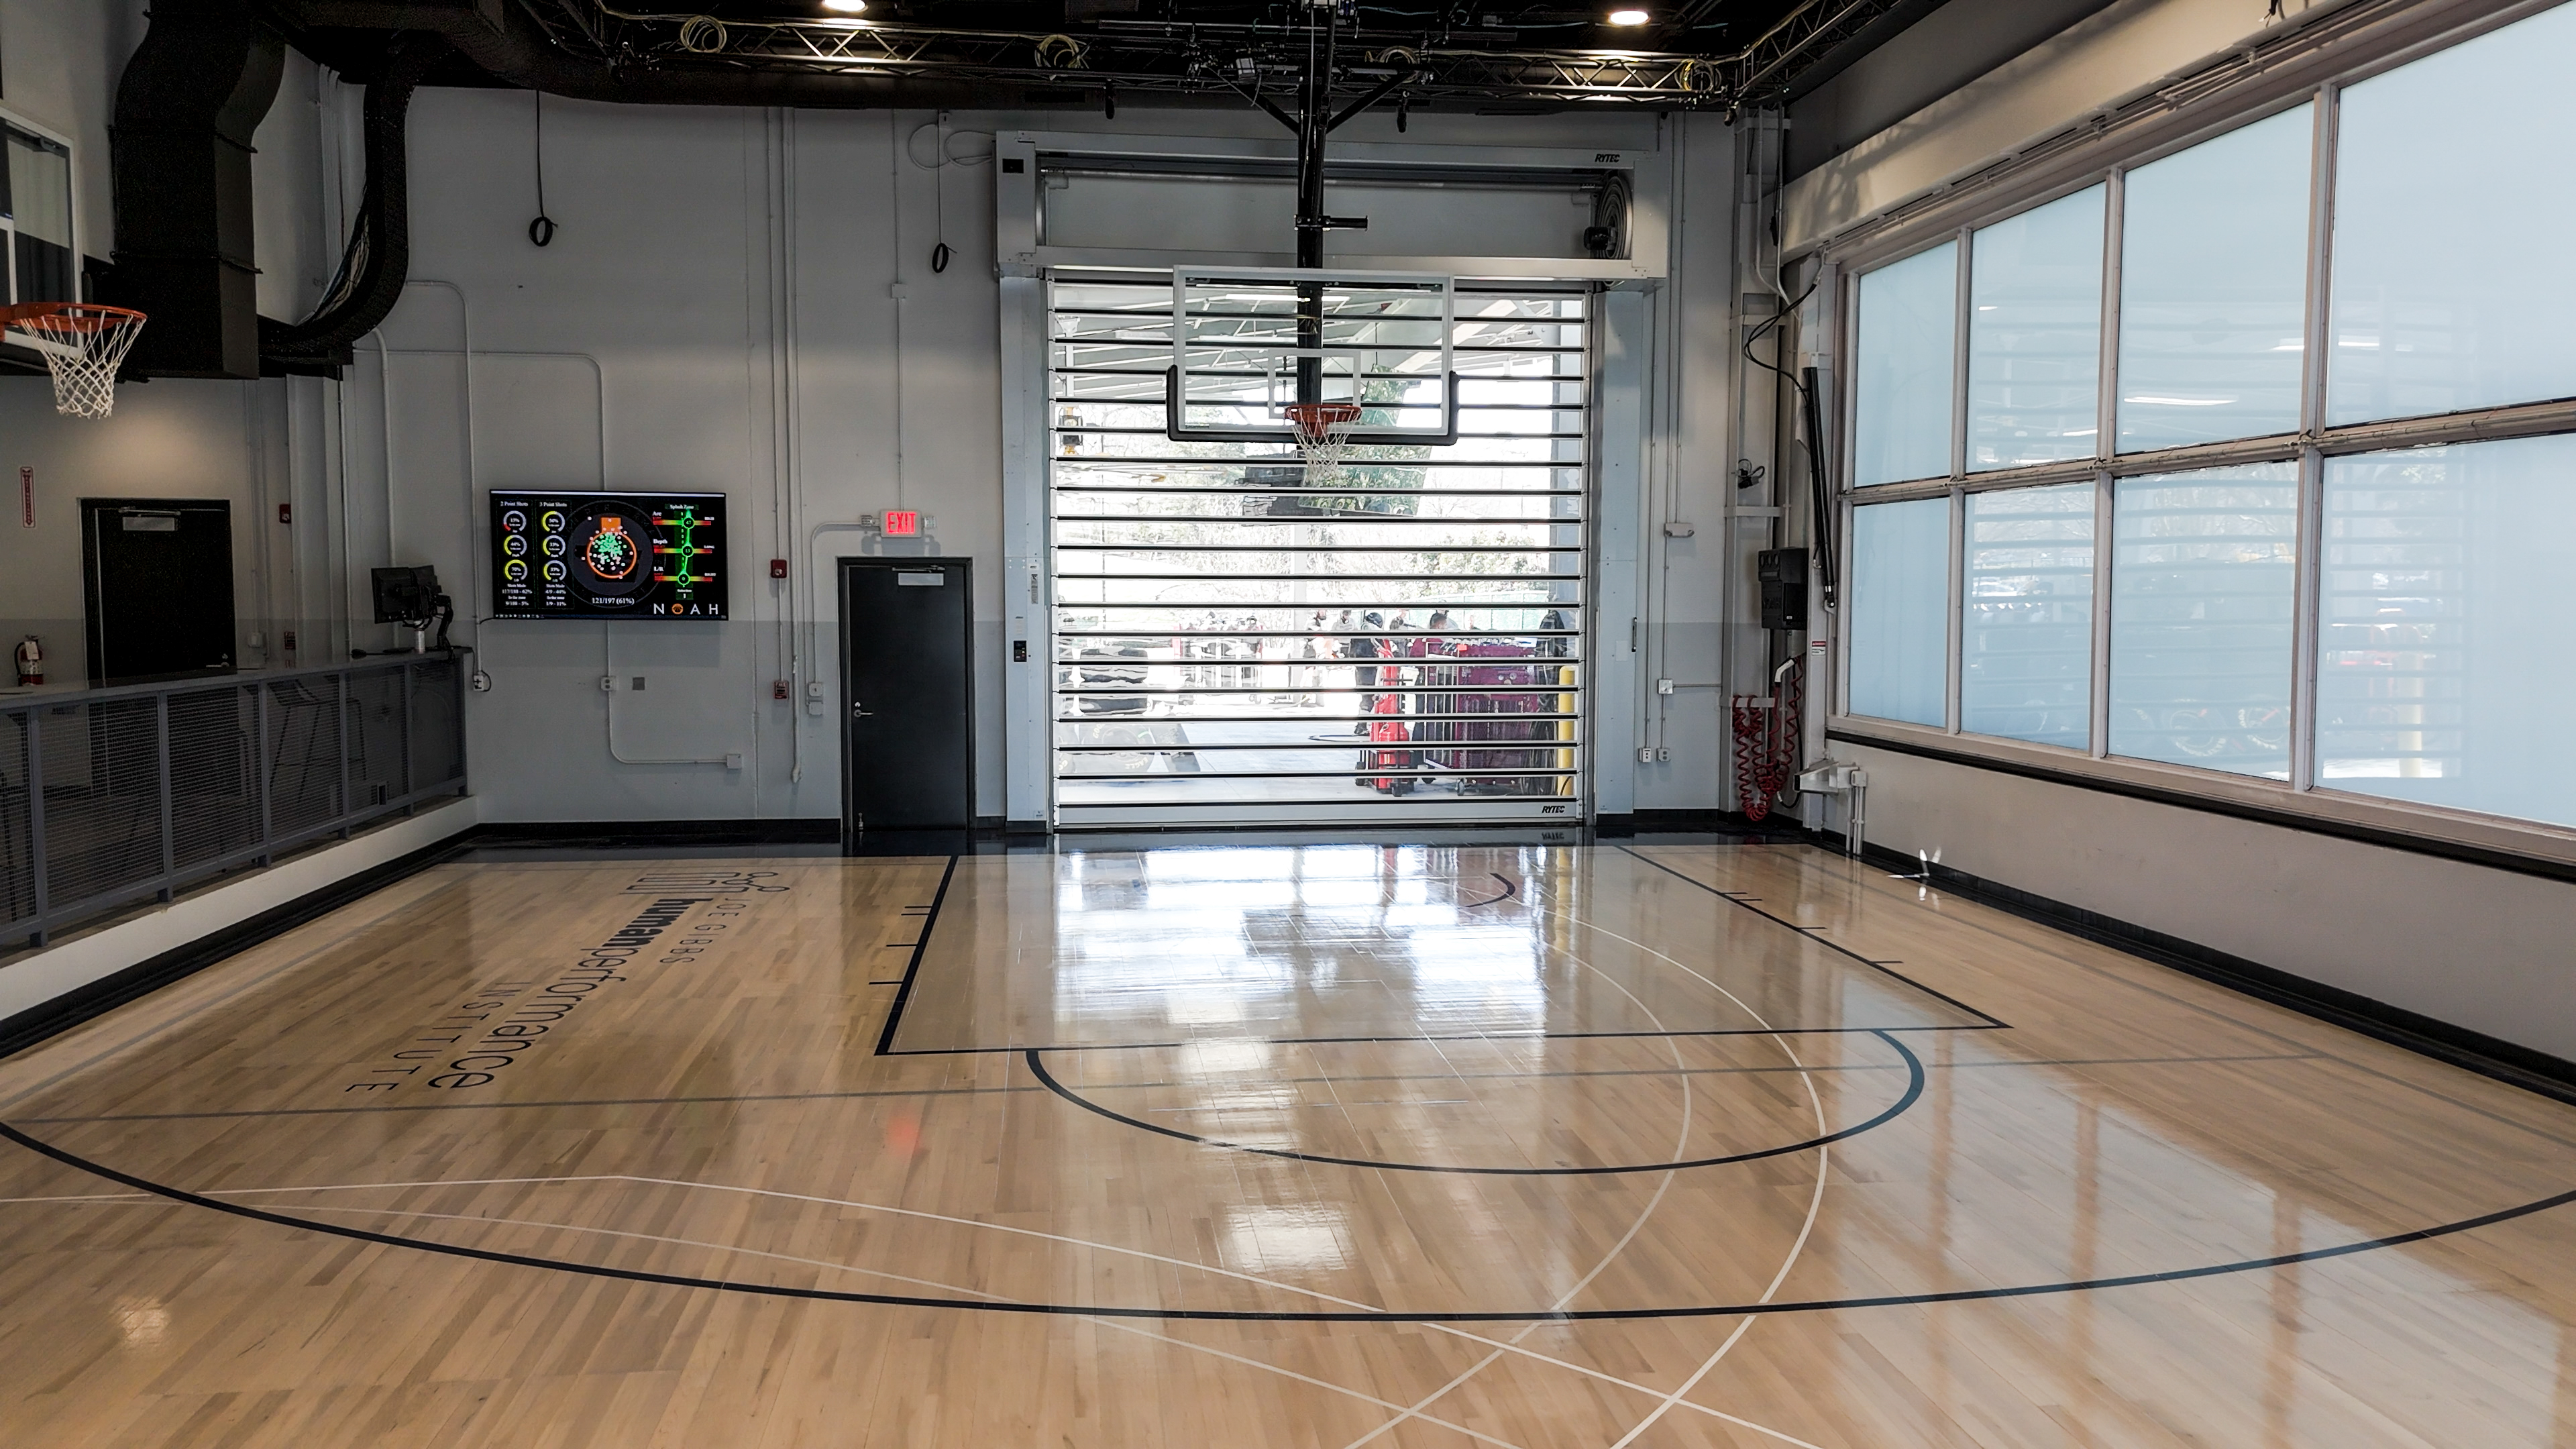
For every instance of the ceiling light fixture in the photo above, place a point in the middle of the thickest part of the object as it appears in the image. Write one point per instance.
(1629, 17)
(846, 7)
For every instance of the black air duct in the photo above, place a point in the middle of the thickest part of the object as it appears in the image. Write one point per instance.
(378, 257)
(190, 98)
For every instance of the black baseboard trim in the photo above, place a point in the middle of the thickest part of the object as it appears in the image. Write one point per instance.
(53, 1018)
(615, 833)
(2488, 1056)
(1696, 822)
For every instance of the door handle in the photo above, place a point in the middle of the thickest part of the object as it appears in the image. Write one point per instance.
(860, 711)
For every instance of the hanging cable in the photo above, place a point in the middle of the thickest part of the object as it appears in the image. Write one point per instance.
(541, 230)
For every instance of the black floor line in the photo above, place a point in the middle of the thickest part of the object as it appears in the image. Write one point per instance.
(1913, 1093)
(912, 968)
(1022, 1048)
(1078, 1310)
(1812, 934)
(1156, 1085)
(894, 1017)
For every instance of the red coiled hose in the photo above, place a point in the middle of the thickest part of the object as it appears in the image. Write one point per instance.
(1766, 741)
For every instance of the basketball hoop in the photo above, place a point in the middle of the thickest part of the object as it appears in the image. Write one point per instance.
(87, 343)
(1322, 431)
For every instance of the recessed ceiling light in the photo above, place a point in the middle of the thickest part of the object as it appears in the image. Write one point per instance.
(846, 7)
(1625, 17)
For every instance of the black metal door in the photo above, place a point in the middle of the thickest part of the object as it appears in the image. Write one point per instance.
(159, 578)
(907, 698)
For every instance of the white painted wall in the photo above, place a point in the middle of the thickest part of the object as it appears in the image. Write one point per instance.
(716, 313)
(721, 287)
(174, 438)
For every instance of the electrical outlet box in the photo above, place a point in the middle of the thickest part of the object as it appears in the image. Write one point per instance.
(1663, 686)
(1645, 754)
(608, 684)
(733, 760)
(1783, 575)
(1662, 755)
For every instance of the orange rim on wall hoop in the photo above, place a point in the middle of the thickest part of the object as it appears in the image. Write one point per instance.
(86, 343)
(1323, 433)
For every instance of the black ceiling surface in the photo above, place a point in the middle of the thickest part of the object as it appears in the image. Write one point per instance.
(1691, 54)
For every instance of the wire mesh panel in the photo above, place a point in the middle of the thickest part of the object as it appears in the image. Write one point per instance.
(1234, 638)
(112, 796)
(102, 784)
(437, 725)
(378, 766)
(303, 754)
(17, 842)
(214, 775)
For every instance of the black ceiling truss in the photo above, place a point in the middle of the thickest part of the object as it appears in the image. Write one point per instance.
(1115, 59)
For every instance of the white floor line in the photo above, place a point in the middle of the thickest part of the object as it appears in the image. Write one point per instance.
(1815, 1200)
(1681, 1143)
(1813, 1203)
(1512, 1346)
(916, 1282)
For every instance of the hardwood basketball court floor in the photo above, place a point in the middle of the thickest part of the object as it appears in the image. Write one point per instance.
(1257, 1146)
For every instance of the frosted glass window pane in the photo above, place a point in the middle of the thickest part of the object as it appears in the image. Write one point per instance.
(2447, 667)
(2451, 283)
(1900, 611)
(2035, 335)
(2204, 580)
(2213, 288)
(2026, 668)
(1902, 397)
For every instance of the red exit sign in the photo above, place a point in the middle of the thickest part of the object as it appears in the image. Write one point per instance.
(902, 523)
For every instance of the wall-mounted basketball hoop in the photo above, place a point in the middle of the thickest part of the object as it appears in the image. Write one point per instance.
(83, 343)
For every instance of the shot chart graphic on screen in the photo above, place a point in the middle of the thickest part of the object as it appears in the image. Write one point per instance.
(608, 555)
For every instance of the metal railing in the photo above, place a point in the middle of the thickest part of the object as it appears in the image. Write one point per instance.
(113, 796)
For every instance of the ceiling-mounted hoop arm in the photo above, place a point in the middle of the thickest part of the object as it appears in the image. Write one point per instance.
(1174, 410)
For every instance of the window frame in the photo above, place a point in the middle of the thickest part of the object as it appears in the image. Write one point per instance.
(2103, 155)
(16, 120)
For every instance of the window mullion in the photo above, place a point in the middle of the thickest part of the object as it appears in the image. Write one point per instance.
(1960, 315)
(2104, 520)
(2312, 391)
(2308, 620)
(1958, 628)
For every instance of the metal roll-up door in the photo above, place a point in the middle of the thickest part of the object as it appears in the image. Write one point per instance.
(1232, 646)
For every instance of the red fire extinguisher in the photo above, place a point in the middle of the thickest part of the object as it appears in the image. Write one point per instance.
(31, 661)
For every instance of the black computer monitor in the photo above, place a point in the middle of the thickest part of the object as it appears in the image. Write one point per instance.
(406, 595)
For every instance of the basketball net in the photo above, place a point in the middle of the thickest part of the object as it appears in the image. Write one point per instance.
(90, 344)
(1323, 434)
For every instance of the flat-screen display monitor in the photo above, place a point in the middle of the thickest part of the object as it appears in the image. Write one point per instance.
(561, 555)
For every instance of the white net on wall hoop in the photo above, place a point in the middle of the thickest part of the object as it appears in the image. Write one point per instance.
(89, 343)
(1323, 435)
